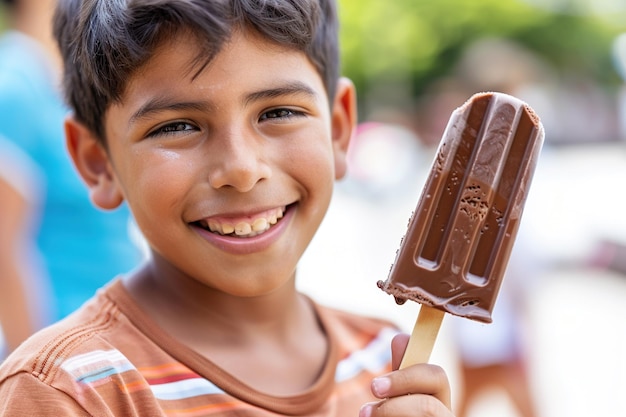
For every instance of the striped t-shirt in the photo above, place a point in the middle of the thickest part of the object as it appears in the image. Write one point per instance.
(111, 359)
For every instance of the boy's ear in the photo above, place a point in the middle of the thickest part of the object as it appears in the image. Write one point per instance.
(92, 162)
(344, 119)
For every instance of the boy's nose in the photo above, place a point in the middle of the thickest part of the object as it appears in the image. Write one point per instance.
(238, 161)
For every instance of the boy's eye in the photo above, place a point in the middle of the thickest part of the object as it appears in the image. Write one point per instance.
(279, 114)
(173, 128)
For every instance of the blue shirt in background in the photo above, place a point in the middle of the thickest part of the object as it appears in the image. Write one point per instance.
(82, 247)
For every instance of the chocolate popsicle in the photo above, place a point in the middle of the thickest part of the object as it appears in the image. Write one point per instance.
(454, 254)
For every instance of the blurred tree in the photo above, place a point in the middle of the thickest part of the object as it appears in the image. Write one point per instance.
(415, 42)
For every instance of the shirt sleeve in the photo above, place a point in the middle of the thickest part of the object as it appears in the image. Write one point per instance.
(25, 395)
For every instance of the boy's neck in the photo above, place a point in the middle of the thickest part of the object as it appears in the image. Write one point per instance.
(249, 338)
(186, 305)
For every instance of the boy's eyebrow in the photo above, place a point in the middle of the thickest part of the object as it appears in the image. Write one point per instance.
(165, 103)
(291, 88)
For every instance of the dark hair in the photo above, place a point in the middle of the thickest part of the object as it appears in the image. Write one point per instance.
(103, 42)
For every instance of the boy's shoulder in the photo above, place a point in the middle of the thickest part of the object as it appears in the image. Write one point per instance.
(91, 360)
(353, 332)
(53, 363)
(95, 327)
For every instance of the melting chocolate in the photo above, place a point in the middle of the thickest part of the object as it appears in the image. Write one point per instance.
(459, 238)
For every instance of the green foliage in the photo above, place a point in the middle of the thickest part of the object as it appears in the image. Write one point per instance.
(574, 43)
(421, 40)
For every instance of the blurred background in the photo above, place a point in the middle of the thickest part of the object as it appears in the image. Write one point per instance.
(557, 333)
(556, 346)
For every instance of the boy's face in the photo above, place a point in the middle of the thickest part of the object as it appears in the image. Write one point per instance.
(249, 144)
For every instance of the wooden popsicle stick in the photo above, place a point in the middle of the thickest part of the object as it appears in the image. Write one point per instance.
(423, 336)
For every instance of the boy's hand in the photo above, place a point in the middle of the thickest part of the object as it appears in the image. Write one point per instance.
(416, 391)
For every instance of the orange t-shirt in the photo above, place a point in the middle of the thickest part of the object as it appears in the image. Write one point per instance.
(110, 359)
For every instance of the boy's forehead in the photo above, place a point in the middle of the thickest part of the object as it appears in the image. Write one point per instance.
(194, 54)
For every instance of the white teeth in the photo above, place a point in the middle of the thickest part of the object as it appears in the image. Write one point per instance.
(260, 225)
(214, 226)
(244, 228)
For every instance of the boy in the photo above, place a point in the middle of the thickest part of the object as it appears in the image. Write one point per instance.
(223, 125)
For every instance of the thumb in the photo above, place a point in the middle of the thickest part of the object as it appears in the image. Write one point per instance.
(398, 346)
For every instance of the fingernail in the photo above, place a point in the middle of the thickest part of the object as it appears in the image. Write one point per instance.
(381, 386)
(366, 410)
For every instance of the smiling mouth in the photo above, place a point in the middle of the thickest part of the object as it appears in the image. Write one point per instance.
(243, 227)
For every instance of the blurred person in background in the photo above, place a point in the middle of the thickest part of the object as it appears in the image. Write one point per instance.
(81, 248)
(494, 357)
(19, 259)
